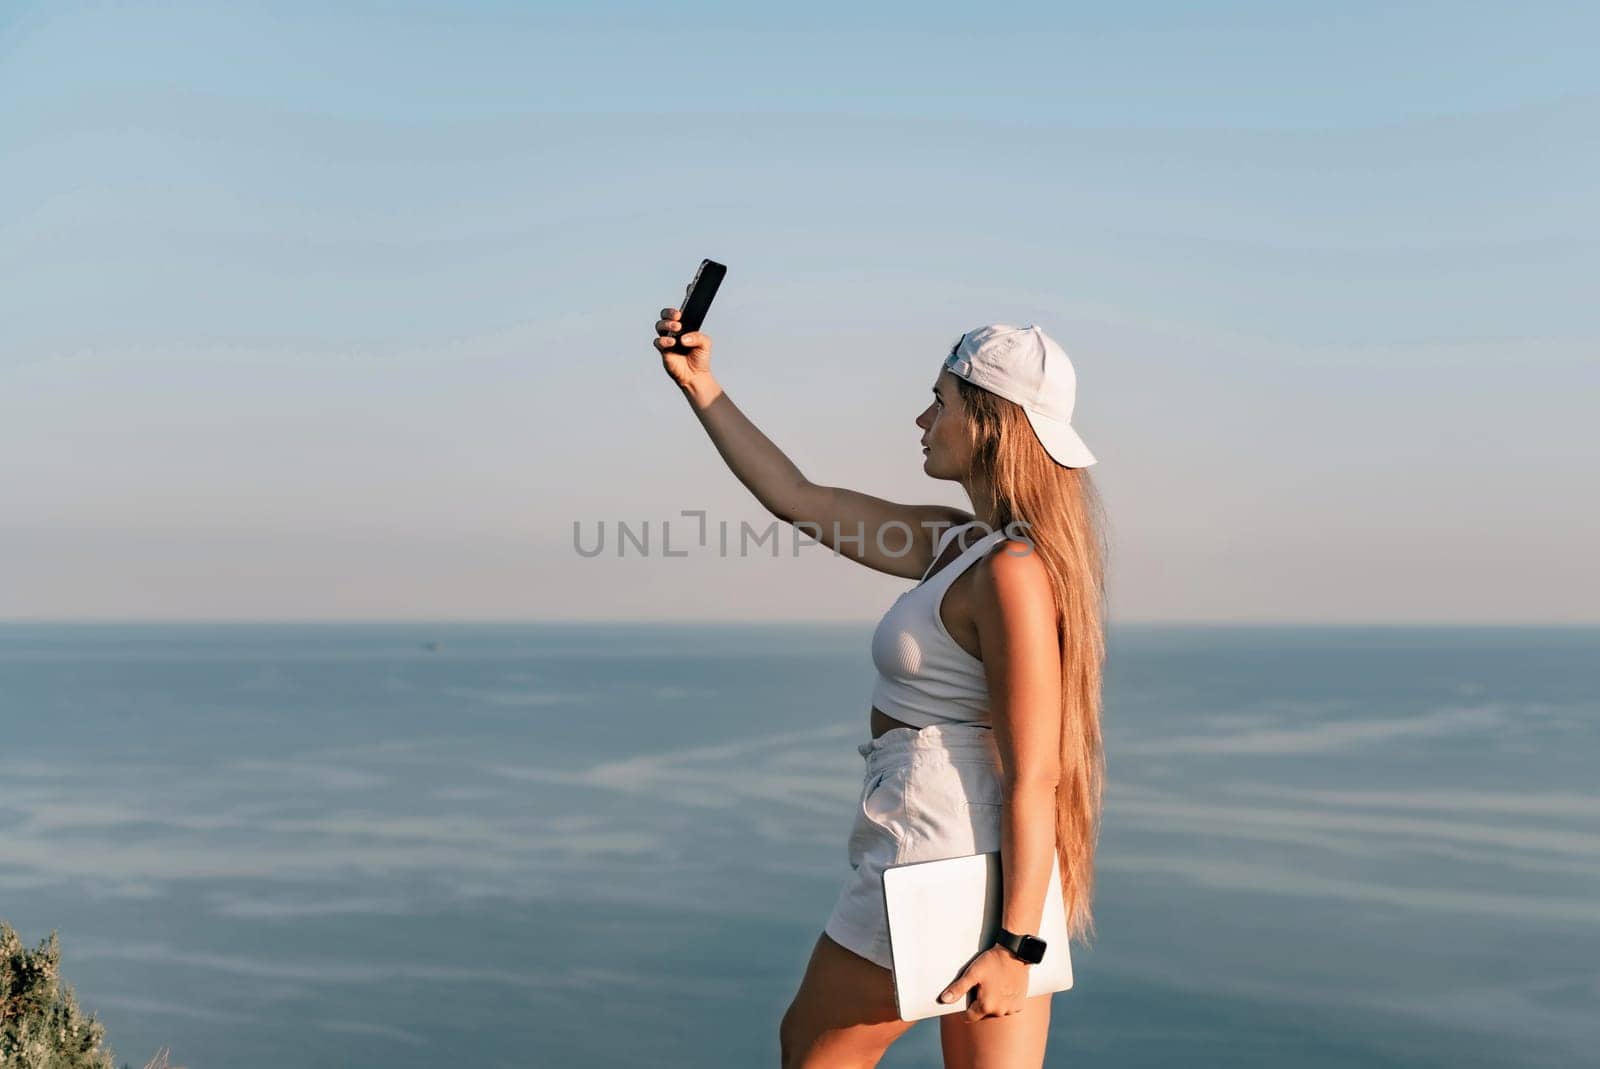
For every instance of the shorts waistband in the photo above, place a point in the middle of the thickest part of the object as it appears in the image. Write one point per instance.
(897, 745)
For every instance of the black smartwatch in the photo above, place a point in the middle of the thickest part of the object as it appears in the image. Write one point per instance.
(1028, 948)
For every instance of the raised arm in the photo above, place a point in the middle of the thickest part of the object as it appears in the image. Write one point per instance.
(883, 535)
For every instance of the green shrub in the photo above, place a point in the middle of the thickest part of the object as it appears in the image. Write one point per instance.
(41, 1026)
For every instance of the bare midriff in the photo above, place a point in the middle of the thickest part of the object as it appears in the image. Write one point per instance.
(882, 721)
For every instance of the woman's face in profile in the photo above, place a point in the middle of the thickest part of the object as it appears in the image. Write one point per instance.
(944, 432)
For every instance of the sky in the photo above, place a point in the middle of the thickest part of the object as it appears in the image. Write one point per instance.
(344, 311)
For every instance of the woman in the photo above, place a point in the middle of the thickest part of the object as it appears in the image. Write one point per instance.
(985, 716)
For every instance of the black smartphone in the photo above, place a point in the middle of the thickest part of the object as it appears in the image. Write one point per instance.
(697, 298)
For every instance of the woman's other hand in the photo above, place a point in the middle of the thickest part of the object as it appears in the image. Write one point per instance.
(685, 356)
(1002, 983)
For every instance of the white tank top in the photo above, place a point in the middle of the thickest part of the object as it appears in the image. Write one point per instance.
(924, 677)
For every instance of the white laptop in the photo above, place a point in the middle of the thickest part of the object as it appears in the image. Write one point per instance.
(943, 914)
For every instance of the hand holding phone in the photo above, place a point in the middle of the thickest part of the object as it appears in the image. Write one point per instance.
(684, 364)
(697, 298)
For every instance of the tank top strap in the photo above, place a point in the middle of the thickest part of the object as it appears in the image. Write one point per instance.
(964, 560)
(944, 540)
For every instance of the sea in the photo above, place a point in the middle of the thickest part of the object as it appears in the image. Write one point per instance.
(572, 845)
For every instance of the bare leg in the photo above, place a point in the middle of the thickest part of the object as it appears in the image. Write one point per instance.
(843, 1016)
(1014, 1042)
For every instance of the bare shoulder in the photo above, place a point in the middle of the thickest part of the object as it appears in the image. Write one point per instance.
(1011, 581)
(1015, 560)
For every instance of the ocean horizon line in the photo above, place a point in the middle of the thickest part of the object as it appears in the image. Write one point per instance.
(599, 622)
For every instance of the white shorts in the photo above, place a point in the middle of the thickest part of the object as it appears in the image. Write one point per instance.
(928, 793)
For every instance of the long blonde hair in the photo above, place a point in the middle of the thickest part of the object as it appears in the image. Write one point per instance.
(1061, 511)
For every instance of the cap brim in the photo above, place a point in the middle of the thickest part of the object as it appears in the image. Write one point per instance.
(1060, 441)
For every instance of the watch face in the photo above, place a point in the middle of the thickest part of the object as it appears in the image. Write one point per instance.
(1031, 950)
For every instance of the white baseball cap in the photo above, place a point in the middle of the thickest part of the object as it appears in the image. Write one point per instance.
(1026, 365)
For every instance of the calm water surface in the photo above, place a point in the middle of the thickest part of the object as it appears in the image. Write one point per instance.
(594, 845)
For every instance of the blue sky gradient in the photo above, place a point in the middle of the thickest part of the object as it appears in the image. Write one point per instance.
(344, 311)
